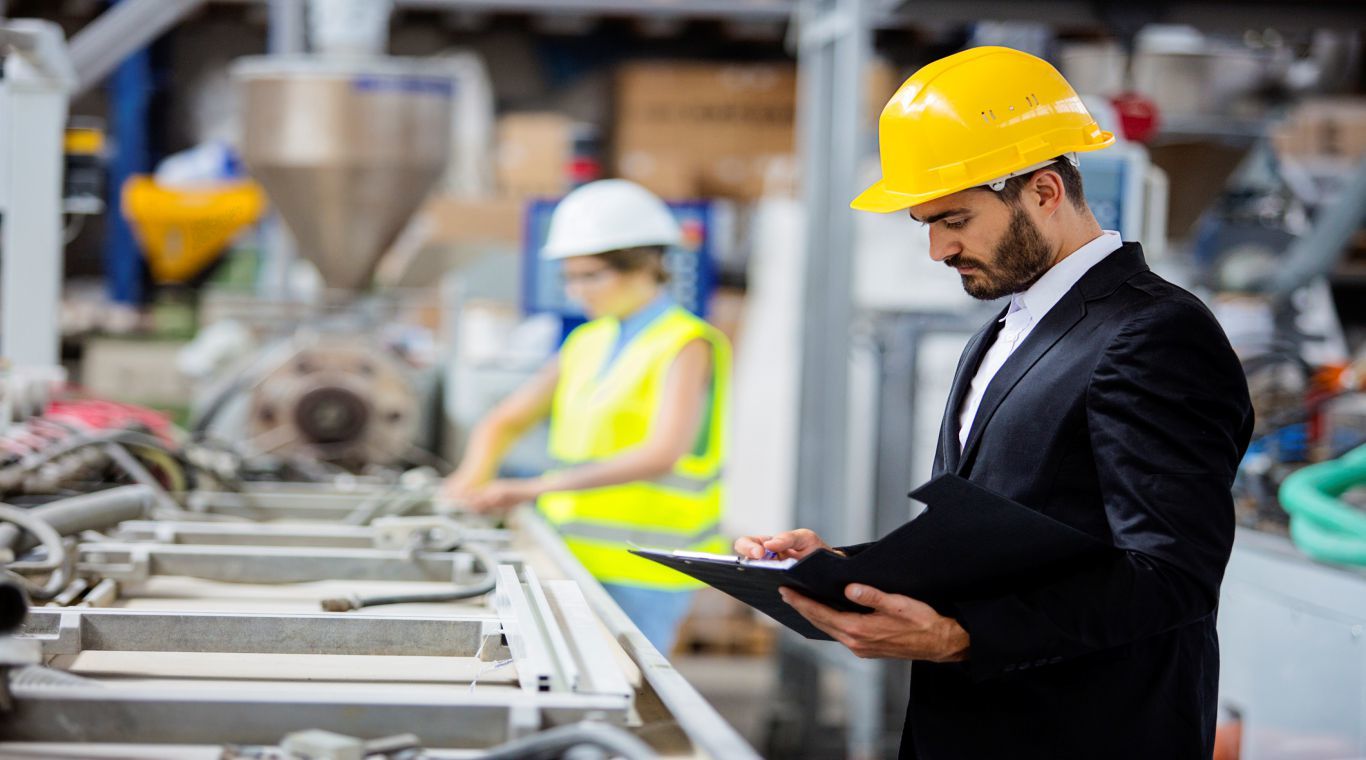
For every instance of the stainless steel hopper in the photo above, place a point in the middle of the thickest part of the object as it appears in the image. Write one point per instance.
(346, 149)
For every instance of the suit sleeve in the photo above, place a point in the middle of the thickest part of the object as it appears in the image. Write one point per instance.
(1169, 419)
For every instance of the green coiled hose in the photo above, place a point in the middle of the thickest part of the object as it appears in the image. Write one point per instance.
(1322, 524)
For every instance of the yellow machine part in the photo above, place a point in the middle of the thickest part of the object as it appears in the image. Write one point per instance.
(183, 231)
(83, 141)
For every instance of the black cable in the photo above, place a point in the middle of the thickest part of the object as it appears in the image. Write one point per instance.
(483, 554)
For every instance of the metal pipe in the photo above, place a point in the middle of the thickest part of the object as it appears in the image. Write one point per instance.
(99, 47)
(166, 506)
(56, 564)
(285, 33)
(1315, 254)
(91, 511)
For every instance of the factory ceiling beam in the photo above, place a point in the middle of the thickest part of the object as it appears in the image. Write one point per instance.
(1207, 15)
(100, 46)
(751, 10)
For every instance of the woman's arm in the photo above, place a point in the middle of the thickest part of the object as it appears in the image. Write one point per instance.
(499, 429)
(677, 422)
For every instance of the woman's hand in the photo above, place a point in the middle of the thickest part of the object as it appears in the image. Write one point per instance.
(460, 486)
(501, 495)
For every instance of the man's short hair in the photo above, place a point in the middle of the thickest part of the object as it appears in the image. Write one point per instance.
(1071, 182)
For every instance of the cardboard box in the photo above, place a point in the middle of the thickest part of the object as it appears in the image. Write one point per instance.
(534, 151)
(1325, 127)
(695, 129)
(717, 130)
(449, 232)
(474, 220)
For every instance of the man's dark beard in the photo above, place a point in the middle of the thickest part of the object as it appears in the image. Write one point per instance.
(1021, 258)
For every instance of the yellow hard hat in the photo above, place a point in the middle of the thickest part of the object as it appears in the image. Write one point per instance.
(974, 118)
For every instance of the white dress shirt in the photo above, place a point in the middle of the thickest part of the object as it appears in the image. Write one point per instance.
(1026, 310)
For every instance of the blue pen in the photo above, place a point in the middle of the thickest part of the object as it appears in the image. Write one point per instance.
(769, 555)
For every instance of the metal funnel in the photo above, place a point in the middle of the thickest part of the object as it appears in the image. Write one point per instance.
(346, 150)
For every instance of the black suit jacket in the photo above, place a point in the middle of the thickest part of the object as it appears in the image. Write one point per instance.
(1124, 413)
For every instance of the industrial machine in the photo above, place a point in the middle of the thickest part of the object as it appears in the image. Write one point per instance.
(224, 631)
(346, 149)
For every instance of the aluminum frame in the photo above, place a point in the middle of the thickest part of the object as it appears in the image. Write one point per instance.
(165, 715)
(253, 534)
(62, 711)
(571, 620)
(73, 631)
(136, 562)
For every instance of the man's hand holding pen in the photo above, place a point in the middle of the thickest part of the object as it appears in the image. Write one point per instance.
(898, 627)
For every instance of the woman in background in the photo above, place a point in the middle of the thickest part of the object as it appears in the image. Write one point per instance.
(636, 399)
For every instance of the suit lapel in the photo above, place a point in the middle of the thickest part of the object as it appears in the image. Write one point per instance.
(1099, 282)
(962, 380)
(1044, 336)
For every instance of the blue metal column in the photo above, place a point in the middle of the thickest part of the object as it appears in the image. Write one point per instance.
(130, 94)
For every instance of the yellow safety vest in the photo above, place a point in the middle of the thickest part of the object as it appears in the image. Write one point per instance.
(598, 414)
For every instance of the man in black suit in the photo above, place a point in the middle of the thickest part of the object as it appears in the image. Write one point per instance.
(1102, 396)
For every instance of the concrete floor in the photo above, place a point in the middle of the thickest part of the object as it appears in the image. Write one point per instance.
(741, 688)
(738, 687)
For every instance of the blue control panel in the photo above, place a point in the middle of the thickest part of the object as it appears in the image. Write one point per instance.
(1113, 180)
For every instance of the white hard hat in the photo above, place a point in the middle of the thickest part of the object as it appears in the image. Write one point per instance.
(609, 215)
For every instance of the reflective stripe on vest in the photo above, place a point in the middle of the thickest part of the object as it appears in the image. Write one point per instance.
(673, 480)
(636, 537)
(599, 413)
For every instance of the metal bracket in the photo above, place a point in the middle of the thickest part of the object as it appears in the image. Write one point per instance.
(536, 669)
(587, 642)
(64, 638)
(523, 720)
(17, 652)
(137, 568)
(437, 533)
(492, 644)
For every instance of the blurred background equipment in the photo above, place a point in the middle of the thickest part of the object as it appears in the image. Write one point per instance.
(346, 149)
(264, 263)
(184, 231)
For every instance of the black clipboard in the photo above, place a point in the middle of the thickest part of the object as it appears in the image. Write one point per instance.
(969, 543)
